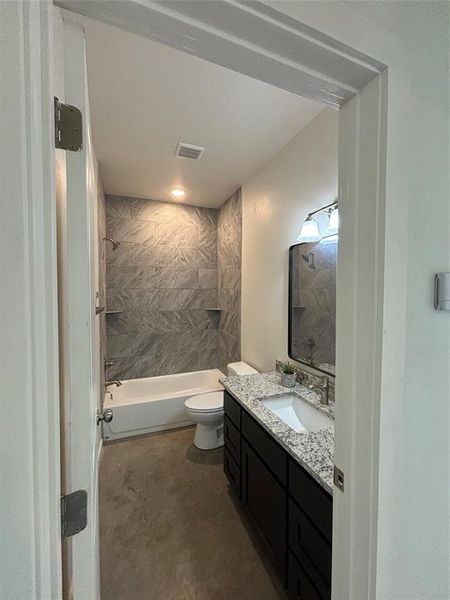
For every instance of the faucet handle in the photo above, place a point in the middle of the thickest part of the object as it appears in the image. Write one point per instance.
(113, 382)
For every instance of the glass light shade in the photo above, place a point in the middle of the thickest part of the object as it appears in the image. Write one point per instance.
(310, 231)
(333, 224)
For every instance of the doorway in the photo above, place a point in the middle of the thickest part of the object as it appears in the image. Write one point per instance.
(371, 101)
(167, 262)
(353, 110)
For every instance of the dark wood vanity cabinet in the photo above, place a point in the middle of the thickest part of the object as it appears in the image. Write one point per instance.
(292, 511)
(300, 586)
(232, 471)
(265, 499)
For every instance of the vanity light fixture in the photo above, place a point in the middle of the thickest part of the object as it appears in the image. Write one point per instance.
(329, 239)
(333, 223)
(178, 193)
(310, 231)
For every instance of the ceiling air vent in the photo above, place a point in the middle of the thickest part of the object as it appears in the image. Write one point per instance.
(188, 151)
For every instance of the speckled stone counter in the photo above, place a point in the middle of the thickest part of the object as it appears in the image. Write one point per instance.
(315, 450)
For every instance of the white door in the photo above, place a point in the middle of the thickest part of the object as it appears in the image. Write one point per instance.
(80, 365)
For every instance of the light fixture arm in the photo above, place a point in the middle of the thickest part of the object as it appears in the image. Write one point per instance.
(328, 207)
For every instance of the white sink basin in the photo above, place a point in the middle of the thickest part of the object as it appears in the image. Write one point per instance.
(299, 415)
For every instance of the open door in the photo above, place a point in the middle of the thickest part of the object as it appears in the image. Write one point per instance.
(79, 328)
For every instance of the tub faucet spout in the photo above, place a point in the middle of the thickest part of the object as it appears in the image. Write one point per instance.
(113, 382)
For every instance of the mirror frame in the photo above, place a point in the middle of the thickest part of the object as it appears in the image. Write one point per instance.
(290, 290)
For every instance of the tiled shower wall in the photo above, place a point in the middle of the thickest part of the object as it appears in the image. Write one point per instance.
(229, 251)
(161, 281)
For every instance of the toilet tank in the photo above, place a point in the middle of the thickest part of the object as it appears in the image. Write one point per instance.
(240, 368)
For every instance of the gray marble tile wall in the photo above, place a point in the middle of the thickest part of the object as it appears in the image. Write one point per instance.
(162, 280)
(229, 257)
(313, 322)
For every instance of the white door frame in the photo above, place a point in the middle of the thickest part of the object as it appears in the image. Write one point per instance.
(329, 72)
(359, 333)
(30, 547)
(81, 325)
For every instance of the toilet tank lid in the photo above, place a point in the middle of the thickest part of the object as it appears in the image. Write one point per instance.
(240, 368)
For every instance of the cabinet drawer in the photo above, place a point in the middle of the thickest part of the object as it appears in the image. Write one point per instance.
(312, 499)
(306, 541)
(232, 471)
(271, 453)
(301, 586)
(232, 409)
(232, 439)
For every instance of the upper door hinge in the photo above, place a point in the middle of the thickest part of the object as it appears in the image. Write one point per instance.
(73, 513)
(68, 127)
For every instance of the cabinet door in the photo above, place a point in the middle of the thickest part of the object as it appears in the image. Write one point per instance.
(270, 452)
(315, 502)
(265, 499)
(232, 471)
(308, 544)
(300, 587)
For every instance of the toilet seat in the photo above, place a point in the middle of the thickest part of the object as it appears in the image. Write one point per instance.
(210, 402)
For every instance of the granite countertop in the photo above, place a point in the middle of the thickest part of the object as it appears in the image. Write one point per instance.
(314, 450)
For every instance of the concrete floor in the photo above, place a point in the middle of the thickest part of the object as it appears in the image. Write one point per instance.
(170, 528)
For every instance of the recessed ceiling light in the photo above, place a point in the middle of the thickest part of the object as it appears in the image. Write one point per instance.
(178, 193)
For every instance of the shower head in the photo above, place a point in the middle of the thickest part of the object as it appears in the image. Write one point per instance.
(115, 245)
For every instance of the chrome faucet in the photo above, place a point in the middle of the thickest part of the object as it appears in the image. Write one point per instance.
(113, 382)
(323, 389)
(115, 244)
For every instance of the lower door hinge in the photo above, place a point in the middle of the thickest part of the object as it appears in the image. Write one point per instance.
(73, 513)
(68, 127)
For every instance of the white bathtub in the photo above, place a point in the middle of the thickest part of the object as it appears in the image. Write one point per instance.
(155, 403)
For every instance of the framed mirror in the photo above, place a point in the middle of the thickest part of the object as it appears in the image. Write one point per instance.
(312, 304)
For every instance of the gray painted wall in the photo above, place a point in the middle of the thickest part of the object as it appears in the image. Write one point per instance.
(229, 256)
(162, 278)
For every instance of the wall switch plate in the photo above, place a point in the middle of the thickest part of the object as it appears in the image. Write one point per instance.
(442, 291)
(338, 478)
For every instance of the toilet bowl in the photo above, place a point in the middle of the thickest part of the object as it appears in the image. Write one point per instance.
(206, 410)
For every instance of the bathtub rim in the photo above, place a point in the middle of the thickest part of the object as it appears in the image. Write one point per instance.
(110, 402)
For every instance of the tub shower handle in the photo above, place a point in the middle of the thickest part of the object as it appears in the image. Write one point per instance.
(106, 416)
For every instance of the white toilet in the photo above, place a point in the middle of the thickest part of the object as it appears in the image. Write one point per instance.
(207, 411)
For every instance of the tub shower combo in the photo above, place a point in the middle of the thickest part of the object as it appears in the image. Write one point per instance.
(152, 404)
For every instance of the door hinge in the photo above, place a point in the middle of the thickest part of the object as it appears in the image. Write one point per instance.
(338, 478)
(73, 513)
(68, 127)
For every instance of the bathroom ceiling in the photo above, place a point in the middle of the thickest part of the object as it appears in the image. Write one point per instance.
(146, 97)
